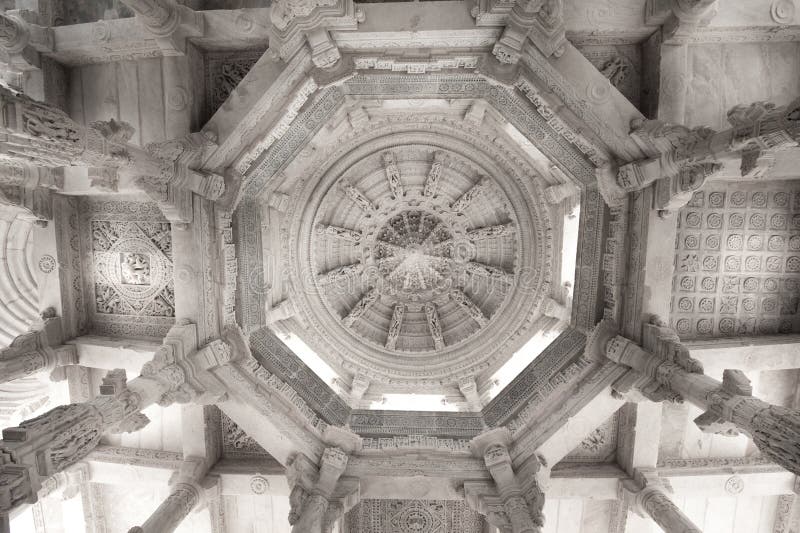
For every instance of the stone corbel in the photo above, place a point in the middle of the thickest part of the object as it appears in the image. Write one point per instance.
(469, 388)
(541, 21)
(359, 387)
(310, 21)
(687, 17)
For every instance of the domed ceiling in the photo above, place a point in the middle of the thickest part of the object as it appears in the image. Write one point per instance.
(417, 254)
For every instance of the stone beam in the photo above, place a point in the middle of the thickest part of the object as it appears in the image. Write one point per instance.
(639, 435)
(770, 352)
(107, 353)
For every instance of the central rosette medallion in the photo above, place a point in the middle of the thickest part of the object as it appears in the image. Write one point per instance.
(416, 255)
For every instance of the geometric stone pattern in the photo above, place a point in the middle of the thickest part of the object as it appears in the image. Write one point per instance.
(439, 424)
(223, 72)
(128, 268)
(599, 446)
(621, 64)
(237, 443)
(737, 261)
(412, 516)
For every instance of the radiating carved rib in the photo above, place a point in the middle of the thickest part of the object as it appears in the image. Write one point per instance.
(395, 325)
(339, 233)
(489, 232)
(468, 197)
(434, 326)
(432, 234)
(489, 272)
(361, 307)
(340, 273)
(356, 196)
(393, 174)
(396, 250)
(469, 306)
(434, 175)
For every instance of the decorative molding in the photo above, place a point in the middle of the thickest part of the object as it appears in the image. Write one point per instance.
(412, 516)
(531, 383)
(414, 442)
(373, 423)
(279, 360)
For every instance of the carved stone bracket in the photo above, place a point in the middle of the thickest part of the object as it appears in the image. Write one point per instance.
(540, 20)
(296, 22)
(320, 496)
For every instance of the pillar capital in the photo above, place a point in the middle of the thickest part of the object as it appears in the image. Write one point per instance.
(681, 159)
(37, 351)
(648, 496)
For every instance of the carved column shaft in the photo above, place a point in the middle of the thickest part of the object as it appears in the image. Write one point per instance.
(167, 517)
(729, 406)
(654, 502)
(686, 158)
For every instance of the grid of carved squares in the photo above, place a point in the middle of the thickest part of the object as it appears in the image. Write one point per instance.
(737, 261)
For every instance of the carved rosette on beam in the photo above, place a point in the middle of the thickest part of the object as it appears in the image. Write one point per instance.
(682, 159)
(48, 444)
(296, 22)
(729, 406)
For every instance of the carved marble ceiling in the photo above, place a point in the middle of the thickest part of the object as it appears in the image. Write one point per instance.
(414, 243)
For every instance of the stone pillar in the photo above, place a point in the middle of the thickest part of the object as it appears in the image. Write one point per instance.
(647, 497)
(681, 159)
(729, 406)
(167, 517)
(43, 135)
(312, 490)
(48, 444)
(36, 351)
(492, 446)
(185, 495)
